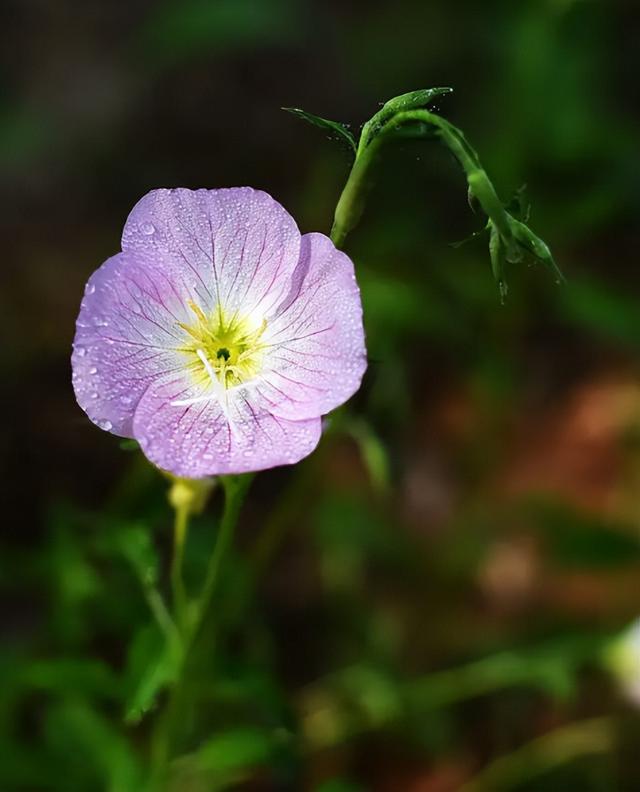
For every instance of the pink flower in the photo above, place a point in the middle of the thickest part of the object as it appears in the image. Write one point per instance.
(219, 336)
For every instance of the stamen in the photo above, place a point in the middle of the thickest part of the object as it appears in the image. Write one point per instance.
(218, 393)
(230, 350)
(200, 353)
(198, 311)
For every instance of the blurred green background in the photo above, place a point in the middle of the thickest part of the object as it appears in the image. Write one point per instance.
(426, 602)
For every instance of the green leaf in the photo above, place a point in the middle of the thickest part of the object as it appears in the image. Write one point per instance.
(576, 540)
(339, 785)
(374, 454)
(136, 546)
(235, 750)
(152, 664)
(107, 761)
(606, 312)
(65, 675)
(332, 126)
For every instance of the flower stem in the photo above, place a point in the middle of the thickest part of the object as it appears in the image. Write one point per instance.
(181, 526)
(511, 238)
(350, 205)
(235, 488)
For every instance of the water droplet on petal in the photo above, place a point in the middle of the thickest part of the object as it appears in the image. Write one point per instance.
(104, 424)
(94, 395)
(89, 288)
(93, 370)
(80, 351)
(147, 228)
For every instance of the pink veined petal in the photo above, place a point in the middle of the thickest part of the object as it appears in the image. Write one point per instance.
(203, 439)
(316, 356)
(235, 246)
(127, 334)
(186, 251)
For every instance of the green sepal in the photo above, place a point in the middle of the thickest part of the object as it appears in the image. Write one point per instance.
(413, 100)
(496, 253)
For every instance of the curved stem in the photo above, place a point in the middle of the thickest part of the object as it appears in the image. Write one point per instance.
(511, 238)
(544, 754)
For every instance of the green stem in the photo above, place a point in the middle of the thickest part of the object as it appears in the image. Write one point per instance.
(181, 526)
(351, 202)
(477, 179)
(342, 705)
(235, 488)
(543, 755)
(350, 205)
(512, 238)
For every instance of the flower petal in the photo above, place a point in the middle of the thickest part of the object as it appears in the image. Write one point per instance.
(127, 333)
(316, 355)
(203, 439)
(234, 246)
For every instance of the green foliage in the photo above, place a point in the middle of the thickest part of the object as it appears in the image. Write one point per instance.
(152, 663)
(605, 311)
(177, 31)
(582, 541)
(412, 100)
(234, 750)
(338, 130)
(108, 761)
(418, 618)
(510, 238)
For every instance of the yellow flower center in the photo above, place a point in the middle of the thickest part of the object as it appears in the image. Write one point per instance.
(224, 347)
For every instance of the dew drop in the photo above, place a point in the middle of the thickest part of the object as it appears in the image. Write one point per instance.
(147, 228)
(94, 395)
(80, 351)
(93, 370)
(90, 288)
(104, 424)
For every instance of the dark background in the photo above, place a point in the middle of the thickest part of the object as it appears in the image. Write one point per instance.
(481, 494)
